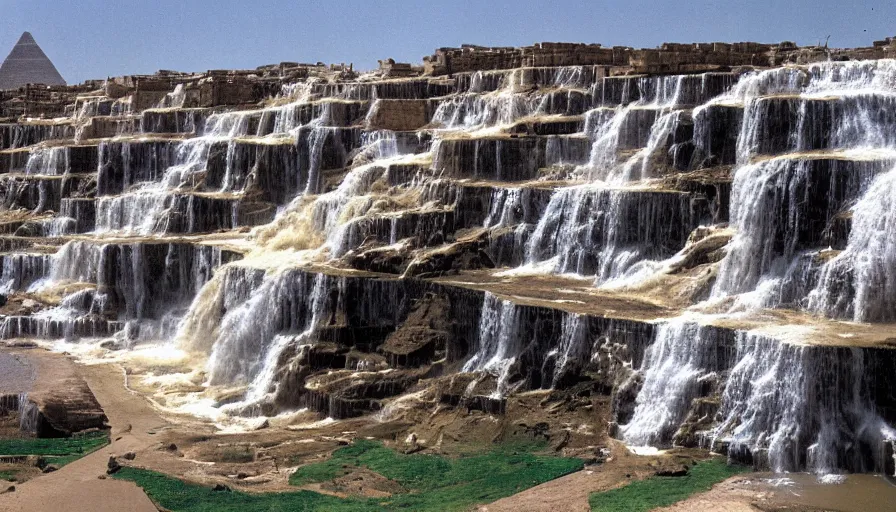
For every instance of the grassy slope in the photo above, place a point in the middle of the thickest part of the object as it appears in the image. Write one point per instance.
(662, 491)
(433, 482)
(58, 451)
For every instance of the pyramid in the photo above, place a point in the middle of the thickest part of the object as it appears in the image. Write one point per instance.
(28, 64)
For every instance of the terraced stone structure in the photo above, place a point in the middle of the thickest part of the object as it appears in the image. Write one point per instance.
(694, 241)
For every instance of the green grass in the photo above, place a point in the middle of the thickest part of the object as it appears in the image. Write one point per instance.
(9, 475)
(58, 451)
(54, 446)
(434, 483)
(662, 491)
(179, 496)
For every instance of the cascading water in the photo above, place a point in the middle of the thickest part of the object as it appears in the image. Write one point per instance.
(800, 407)
(681, 358)
(591, 230)
(782, 406)
(859, 283)
(175, 98)
(560, 170)
(250, 345)
(20, 271)
(572, 349)
(148, 205)
(761, 193)
(48, 161)
(523, 93)
(612, 129)
(837, 107)
(498, 337)
(29, 414)
(595, 231)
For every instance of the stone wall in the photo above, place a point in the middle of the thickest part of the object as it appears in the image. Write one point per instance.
(241, 87)
(668, 58)
(399, 115)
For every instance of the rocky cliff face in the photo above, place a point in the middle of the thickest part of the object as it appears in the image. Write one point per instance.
(708, 255)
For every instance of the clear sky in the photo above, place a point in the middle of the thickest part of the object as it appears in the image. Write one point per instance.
(96, 38)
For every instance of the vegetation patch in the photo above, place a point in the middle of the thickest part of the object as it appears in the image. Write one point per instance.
(58, 451)
(236, 454)
(434, 483)
(662, 491)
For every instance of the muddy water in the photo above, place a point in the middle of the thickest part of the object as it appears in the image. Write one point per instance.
(859, 493)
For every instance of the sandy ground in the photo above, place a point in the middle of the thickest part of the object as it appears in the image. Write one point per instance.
(733, 495)
(569, 493)
(77, 486)
(17, 372)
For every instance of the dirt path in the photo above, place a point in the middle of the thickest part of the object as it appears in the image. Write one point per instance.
(570, 493)
(733, 495)
(77, 486)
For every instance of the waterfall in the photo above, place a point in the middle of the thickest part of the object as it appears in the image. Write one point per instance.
(542, 228)
(799, 407)
(680, 359)
(498, 342)
(145, 284)
(604, 126)
(327, 221)
(29, 415)
(505, 208)
(149, 201)
(782, 406)
(572, 349)
(764, 199)
(250, 326)
(381, 145)
(76, 262)
(613, 129)
(503, 98)
(590, 230)
(175, 98)
(474, 111)
(478, 108)
(48, 161)
(20, 271)
(139, 213)
(334, 213)
(846, 108)
(641, 165)
(261, 384)
(818, 78)
(566, 234)
(860, 283)
(316, 140)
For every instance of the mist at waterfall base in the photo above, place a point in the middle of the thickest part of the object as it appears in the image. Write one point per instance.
(223, 326)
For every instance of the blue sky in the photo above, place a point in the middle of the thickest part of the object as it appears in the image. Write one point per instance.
(95, 39)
